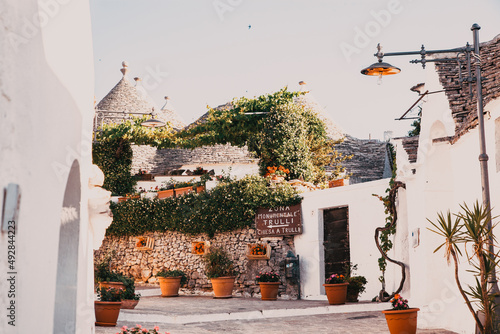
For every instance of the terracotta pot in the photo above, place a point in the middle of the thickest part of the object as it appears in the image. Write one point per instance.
(223, 286)
(165, 193)
(336, 183)
(129, 304)
(402, 321)
(170, 286)
(352, 296)
(106, 313)
(336, 293)
(116, 285)
(200, 189)
(269, 290)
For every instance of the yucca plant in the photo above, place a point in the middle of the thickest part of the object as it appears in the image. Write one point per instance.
(471, 228)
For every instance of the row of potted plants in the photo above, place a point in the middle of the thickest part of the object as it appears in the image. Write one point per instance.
(400, 319)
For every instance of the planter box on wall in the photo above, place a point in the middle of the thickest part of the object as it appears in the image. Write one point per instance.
(143, 243)
(123, 199)
(182, 191)
(254, 251)
(336, 183)
(200, 247)
(165, 193)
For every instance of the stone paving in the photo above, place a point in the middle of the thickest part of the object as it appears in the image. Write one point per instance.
(204, 314)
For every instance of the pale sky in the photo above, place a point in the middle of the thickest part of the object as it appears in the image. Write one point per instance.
(203, 52)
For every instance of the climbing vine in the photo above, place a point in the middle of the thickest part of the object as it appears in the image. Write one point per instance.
(114, 157)
(385, 235)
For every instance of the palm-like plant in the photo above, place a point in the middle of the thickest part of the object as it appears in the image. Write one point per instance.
(471, 227)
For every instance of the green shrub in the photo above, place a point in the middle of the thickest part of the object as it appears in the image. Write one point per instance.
(229, 206)
(218, 264)
(173, 273)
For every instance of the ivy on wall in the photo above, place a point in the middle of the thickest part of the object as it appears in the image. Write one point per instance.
(229, 206)
(385, 236)
(278, 131)
(114, 157)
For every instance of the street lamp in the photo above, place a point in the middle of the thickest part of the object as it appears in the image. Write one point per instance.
(380, 68)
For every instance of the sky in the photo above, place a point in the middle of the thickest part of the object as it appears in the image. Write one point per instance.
(207, 52)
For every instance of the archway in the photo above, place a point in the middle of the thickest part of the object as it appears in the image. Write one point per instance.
(67, 258)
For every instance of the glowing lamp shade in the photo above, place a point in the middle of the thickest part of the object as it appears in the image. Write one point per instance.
(151, 123)
(380, 69)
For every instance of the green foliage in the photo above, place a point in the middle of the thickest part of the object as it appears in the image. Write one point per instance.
(114, 158)
(229, 206)
(416, 128)
(471, 229)
(173, 273)
(356, 284)
(129, 292)
(278, 131)
(385, 236)
(103, 272)
(218, 264)
(109, 295)
(267, 277)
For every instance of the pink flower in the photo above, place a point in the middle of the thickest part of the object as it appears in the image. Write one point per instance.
(156, 328)
(138, 326)
(124, 328)
(144, 330)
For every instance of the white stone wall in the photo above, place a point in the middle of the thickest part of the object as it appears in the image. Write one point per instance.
(46, 109)
(366, 212)
(443, 177)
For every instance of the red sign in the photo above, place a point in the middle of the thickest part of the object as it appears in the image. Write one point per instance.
(283, 220)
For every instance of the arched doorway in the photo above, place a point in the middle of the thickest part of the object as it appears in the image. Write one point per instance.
(67, 258)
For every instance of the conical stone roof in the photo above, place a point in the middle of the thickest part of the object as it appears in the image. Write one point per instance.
(333, 131)
(167, 113)
(124, 97)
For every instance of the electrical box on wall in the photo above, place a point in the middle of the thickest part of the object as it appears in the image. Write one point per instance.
(415, 237)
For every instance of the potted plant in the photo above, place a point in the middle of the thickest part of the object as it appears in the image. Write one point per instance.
(355, 287)
(356, 283)
(130, 299)
(107, 278)
(219, 268)
(170, 281)
(336, 289)
(269, 285)
(402, 318)
(107, 306)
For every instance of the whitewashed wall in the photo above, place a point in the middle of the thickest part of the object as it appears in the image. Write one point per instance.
(366, 212)
(445, 176)
(46, 109)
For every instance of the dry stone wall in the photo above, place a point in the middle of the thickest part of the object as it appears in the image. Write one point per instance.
(173, 250)
(159, 161)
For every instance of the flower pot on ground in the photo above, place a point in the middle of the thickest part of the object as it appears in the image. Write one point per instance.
(219, 268)
(130, 299)
(170, 282)
(336, 289)
(356, 283)
(269, 285)
(223, 286)
(402, 318)
(109, 285)
(107, 307)
(105, 277)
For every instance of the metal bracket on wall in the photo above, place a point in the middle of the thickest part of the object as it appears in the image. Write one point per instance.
(10, 208)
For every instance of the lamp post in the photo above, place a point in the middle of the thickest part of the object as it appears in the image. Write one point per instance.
(380, 69)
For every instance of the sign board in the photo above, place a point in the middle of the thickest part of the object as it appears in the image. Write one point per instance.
(283, 220)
